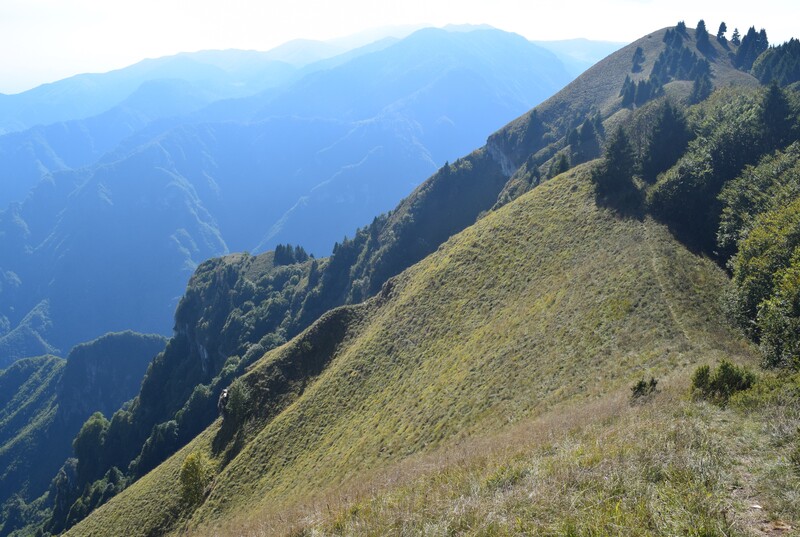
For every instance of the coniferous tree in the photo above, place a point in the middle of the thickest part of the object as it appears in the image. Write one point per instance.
(613, 176)
(701, 89)
(628, 92)
(721, 32)
(736, 37)
(753, 44)
(701, 35)
(681, 27)
(584, 142)
(775, 118)
(638, 58)
(781, 64)
(559, 165)
(666, 143)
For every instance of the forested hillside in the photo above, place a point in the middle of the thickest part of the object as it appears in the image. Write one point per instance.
(45, 400)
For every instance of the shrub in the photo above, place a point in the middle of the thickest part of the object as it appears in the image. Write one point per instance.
(238, 403)
(195, 476)
(643, 388)
(719, 385)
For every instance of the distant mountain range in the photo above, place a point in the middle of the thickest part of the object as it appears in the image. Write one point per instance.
(196, 155)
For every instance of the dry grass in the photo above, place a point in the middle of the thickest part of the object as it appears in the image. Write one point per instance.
(670, 466)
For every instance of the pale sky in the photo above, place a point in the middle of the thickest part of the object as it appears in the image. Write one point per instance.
(46, 40)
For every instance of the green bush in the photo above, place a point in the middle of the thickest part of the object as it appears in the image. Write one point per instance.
(643, 388)
(719, 385)
(238, 404)
(195, 476)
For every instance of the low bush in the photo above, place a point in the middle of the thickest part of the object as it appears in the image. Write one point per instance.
(720, 384)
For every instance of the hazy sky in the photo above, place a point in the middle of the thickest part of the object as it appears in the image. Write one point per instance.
(45, 40)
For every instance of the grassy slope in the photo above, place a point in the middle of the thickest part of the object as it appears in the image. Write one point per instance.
(546, 302)
(669, 466)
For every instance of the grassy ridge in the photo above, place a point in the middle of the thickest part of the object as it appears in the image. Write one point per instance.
(670, 466)
(528, 143)
(547, 301)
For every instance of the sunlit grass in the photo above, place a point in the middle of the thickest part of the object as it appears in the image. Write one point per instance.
(547, 304)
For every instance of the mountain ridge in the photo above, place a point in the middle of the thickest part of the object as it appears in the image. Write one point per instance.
(565, 278)
(514, 220)
(46, 400)
(248, 186)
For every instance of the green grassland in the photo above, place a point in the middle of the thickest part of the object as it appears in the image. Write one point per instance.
(669, 465)
(546, 303)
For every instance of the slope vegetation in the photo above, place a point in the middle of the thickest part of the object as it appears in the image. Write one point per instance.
(562, 124)
(548, 300)
(45, 401)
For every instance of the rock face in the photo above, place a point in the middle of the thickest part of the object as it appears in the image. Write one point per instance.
(100, 375)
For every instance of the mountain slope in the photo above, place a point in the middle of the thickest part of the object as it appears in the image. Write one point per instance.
(526, 147)
(547, 300)
(445, 204)
(46, 400)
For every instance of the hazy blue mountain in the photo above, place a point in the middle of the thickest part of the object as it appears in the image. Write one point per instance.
(157, 103)
(300, 52)
(382, 78)
(503, 72)
(221, 73)
(108, 240)
(29, 155)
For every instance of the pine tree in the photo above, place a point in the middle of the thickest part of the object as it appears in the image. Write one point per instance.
(614, 175)
(736, 37)
(753, 44)
(638, 58)
(701, 89)
(721, 32)
(775, 118)
(666, 142)
(701, 34)
(628, 92)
